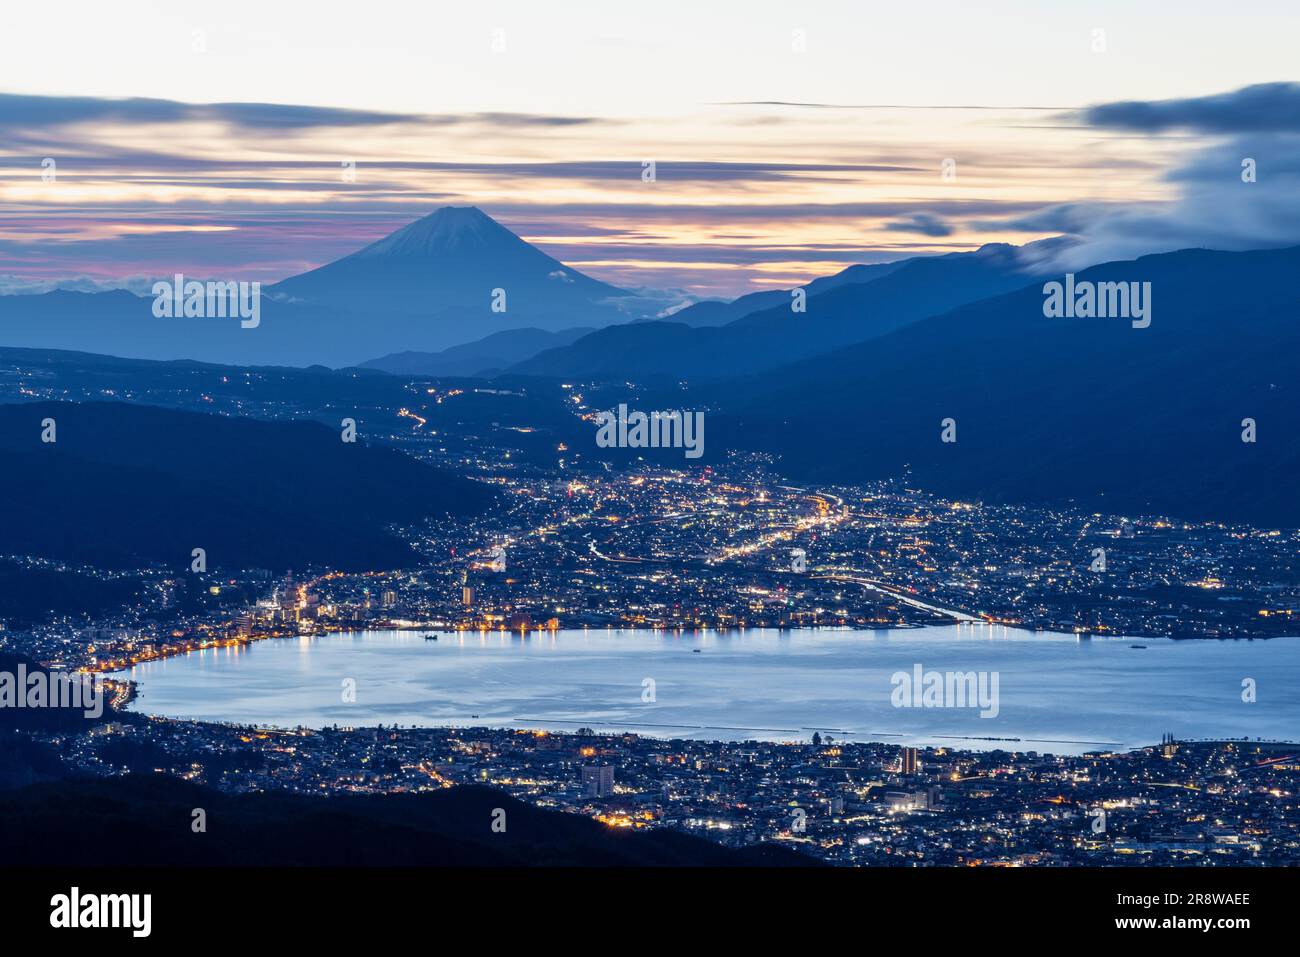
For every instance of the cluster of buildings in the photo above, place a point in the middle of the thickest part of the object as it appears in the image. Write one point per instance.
(663, 549)
(738, 548)
(1212, 803)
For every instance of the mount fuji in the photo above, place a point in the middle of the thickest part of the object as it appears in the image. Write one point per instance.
(456, 258)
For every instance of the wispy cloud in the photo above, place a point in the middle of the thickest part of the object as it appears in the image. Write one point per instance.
(882, 106)
(149, 186)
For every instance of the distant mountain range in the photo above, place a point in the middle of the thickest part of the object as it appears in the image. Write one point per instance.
(426, 287)
(483, 358)
(127, 485)
(456, 293)
(509, 350)
(711, 312)
(859, 304)
(530, 419)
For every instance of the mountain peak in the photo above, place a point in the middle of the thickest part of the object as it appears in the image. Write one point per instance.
(446, 230)
(456, 258)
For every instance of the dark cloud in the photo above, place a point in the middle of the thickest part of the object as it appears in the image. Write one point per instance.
(1065, 218)
(27, 113)
(522, 119)
(376, 176)
(927, 224)
(117, 163)
(1262, 108)
(1238, 183)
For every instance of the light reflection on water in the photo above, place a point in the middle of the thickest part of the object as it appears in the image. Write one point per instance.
(1057, 693)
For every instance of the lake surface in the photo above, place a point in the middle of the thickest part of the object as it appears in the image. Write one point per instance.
(1056, 693)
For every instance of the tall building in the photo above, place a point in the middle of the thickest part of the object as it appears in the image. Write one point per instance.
(287, 599)
(598, 780)
(907, 761)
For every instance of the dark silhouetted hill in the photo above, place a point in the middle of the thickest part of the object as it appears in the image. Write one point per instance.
(46, 718)
(32, 592)
(1048, 409)
(127, 485)
(146, 821)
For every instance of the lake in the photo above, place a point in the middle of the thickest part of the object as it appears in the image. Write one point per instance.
(1058, 693)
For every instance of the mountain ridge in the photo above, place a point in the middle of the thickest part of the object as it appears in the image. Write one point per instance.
(126, 485)
(1123, 419)
(481, 358)
(839, 316)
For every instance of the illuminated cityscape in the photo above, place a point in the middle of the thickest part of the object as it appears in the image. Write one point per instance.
(733, 547)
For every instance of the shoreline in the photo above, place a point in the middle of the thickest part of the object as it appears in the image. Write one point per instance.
(1032, 630)
(704, 726)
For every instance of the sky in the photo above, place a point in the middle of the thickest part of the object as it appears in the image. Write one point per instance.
(788, 139)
